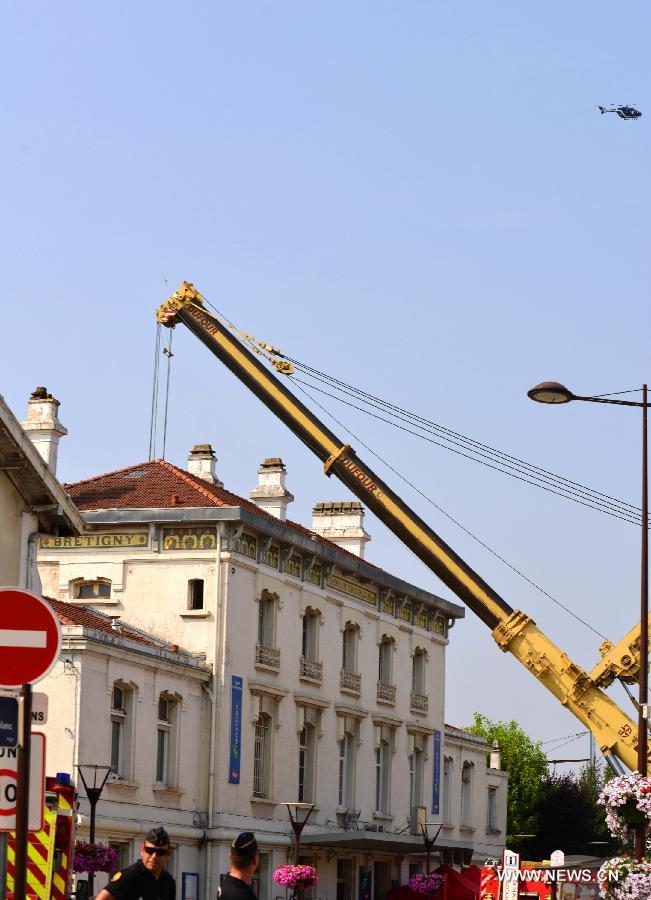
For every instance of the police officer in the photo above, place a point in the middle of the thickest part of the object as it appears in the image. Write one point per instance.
(147, 878)
(245, 859)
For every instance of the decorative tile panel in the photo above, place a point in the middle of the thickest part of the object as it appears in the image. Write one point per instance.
(189, 538)
(352, 589)
(247, 545)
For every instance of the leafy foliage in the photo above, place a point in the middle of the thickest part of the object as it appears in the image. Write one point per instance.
(526, 764)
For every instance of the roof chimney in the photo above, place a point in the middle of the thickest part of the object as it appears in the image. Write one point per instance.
(43, 427)
(270, 493)
(343, 524)
(202, 462)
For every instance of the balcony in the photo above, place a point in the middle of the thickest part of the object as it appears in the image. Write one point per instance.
(311, 669)
(348, 681)
(419, 702)
(386, 693)
(268, 657)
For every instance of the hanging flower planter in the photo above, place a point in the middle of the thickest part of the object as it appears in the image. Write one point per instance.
(426, 884)
(93, 858)
(297, 877)
(628, 803)
(623, 878)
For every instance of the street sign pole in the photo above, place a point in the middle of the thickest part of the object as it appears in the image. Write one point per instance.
(3, 863)
(22, 791)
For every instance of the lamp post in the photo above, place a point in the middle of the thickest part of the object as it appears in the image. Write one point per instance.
(93, 778)
(298, 818)
(553, 392)
(429, 843)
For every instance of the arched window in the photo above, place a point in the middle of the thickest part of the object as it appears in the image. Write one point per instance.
(309, 648)
(349, 648)
(267, 620)
(416, 767)
(466, 793)
(121, 727)
(306, 760)
(447, 789)
(418, 671)
(382, 776)
(385, 660)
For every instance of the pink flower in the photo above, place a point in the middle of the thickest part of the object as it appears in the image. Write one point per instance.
(94, 858)
(290, 876)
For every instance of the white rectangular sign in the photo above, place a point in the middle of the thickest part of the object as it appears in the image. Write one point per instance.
(510, 875)
(39, 709)
(39, 704)
(8, 764)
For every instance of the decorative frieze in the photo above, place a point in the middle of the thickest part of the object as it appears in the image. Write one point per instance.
(189, 538)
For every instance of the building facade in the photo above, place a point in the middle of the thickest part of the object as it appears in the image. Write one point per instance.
(326, 684)
(32, 501)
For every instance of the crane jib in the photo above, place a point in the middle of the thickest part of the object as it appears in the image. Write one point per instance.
(512, 630)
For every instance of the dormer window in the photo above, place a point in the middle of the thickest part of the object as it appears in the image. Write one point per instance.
(99, 589)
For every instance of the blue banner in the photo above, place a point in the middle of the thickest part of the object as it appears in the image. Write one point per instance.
(436, 781)
(236, 730)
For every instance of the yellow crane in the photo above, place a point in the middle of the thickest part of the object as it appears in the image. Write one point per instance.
(513, 630)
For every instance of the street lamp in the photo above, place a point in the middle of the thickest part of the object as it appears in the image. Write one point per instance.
(93, 778)
(429, 843)
(301, 813)
(553, 392)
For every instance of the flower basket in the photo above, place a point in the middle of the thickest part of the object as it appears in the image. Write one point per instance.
(631, 814)
(628, 803)
(296, 876)
(426, 884)
(93, 858)
(623, 878)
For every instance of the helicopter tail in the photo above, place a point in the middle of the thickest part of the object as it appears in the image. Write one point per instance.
(602, 110)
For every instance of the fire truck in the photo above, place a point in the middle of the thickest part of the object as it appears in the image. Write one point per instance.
(51, 850)
(580, 691)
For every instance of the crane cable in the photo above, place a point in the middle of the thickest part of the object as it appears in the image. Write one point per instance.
(456, 521)
(260, 347)
(442, 436)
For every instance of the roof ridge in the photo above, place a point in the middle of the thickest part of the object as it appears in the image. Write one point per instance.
(184, 476)
(68, 484)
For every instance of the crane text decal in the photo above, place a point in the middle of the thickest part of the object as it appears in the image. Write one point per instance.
(203, 319)
(357, 472)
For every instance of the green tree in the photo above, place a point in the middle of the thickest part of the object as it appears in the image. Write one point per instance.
(526, 764)
(570, 819)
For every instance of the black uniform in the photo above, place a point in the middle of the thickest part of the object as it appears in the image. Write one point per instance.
(235, 889)
(136, 883)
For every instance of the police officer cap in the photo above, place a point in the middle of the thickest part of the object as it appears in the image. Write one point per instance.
(245, 843)
(158, 837)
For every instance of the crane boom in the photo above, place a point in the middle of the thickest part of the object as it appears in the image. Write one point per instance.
(512, 630)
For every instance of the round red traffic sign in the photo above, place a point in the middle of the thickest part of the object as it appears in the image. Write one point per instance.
(30, 637)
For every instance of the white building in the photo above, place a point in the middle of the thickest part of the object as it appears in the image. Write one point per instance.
(31, 499)
(327, 682)
(156, 693)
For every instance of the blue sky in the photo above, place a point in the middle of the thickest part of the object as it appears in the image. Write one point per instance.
(419, 197)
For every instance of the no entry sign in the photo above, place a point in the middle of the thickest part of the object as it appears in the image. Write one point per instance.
(30, 637)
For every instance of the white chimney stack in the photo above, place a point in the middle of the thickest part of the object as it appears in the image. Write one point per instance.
(202, 462)
(270, 492)
(495, 761)
(343, 524)
(43, 427)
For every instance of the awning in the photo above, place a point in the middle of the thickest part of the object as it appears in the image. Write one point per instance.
(375, 841)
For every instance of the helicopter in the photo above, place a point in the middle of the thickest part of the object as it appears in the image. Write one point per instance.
(624, 112)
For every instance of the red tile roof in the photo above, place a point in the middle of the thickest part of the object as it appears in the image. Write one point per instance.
(71, 614)
(160, 485)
